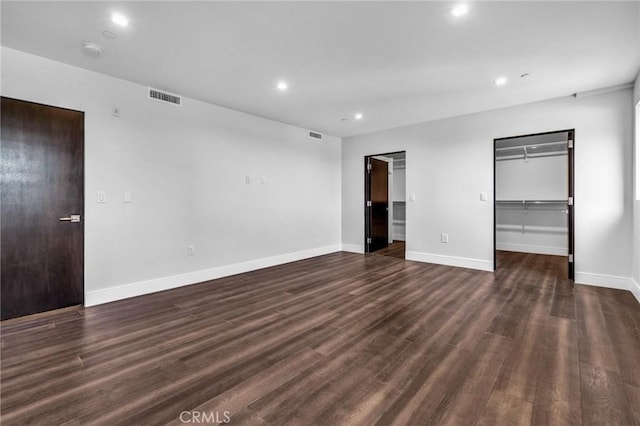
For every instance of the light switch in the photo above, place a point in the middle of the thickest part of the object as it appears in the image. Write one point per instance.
(263, 179)
(247, 179)
(126, 197)
(484, 196)
(412, 198)
(102, 197)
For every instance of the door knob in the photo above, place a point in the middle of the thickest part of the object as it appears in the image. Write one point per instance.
(72, 218)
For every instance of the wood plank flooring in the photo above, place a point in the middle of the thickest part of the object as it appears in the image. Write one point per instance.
(395, 249)
(338, 339)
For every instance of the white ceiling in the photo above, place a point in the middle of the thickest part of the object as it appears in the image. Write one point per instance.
(396, 62)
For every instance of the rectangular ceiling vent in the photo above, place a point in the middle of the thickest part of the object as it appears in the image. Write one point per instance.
(315, 135)
(164, 96)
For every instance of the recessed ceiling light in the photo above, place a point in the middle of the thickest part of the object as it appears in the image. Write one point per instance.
(119, 19)
(460, 10)
(358, 116)
(282, 85)
(500, 81)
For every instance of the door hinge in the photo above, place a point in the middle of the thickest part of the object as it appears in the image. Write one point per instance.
(570, 201)
(368, 203)
(570, 144)
(368, 240)
(368, 167)
(570, 258)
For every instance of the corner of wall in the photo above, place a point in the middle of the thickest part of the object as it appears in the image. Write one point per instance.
(635, 289)
(606, 281)
(111, 294)
(353, 248)
(460, 262)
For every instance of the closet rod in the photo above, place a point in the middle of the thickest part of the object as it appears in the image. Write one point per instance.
(522, 156)
(531, 201)
(531, 228)
(533, 145)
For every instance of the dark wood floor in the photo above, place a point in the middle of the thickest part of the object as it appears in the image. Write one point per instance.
(338, 339)
(395, 249)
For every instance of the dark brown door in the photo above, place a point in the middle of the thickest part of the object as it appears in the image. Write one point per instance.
(379, 205)
(42, 169)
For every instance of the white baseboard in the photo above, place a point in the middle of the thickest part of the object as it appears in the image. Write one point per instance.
(607, 281)
(399, 237)
(529, 248)
(97, 297)
(635, 289)
(353, 248)
(461, 262)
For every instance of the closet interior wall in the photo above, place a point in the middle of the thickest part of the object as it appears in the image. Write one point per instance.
(531, 194)
(399, 197)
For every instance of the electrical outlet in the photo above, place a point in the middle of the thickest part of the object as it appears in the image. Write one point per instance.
(247, 179)
(444, 238)
(484, 196)
(191, 250)
(102, 197)
(263, 179)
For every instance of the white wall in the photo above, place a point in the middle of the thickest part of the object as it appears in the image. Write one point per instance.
(399, 185)
(531, 228)
(636, 203)
(186, 168)
(543, 178)
(399, 195)
(449, 162)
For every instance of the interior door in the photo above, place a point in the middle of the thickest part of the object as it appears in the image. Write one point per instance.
(42, 232)
(379, 204)
(571, 207)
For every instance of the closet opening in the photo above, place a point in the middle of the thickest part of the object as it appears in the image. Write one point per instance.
(534, 197)
(385, 204)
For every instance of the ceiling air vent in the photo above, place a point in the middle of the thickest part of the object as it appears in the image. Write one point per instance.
(164, 96)
(315, 135)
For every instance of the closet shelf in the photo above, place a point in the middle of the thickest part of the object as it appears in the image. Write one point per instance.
(524, 152)
(538, 205)
(525, 202)
(534, 229)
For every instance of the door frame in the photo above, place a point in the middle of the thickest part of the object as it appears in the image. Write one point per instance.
(389, 161)
(83, 200)
(571, 258)
(367, 192)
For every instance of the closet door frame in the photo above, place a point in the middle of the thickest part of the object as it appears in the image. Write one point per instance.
(367, 197)
(571, 258)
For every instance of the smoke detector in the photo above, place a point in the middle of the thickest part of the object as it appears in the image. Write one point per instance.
(92, 49)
